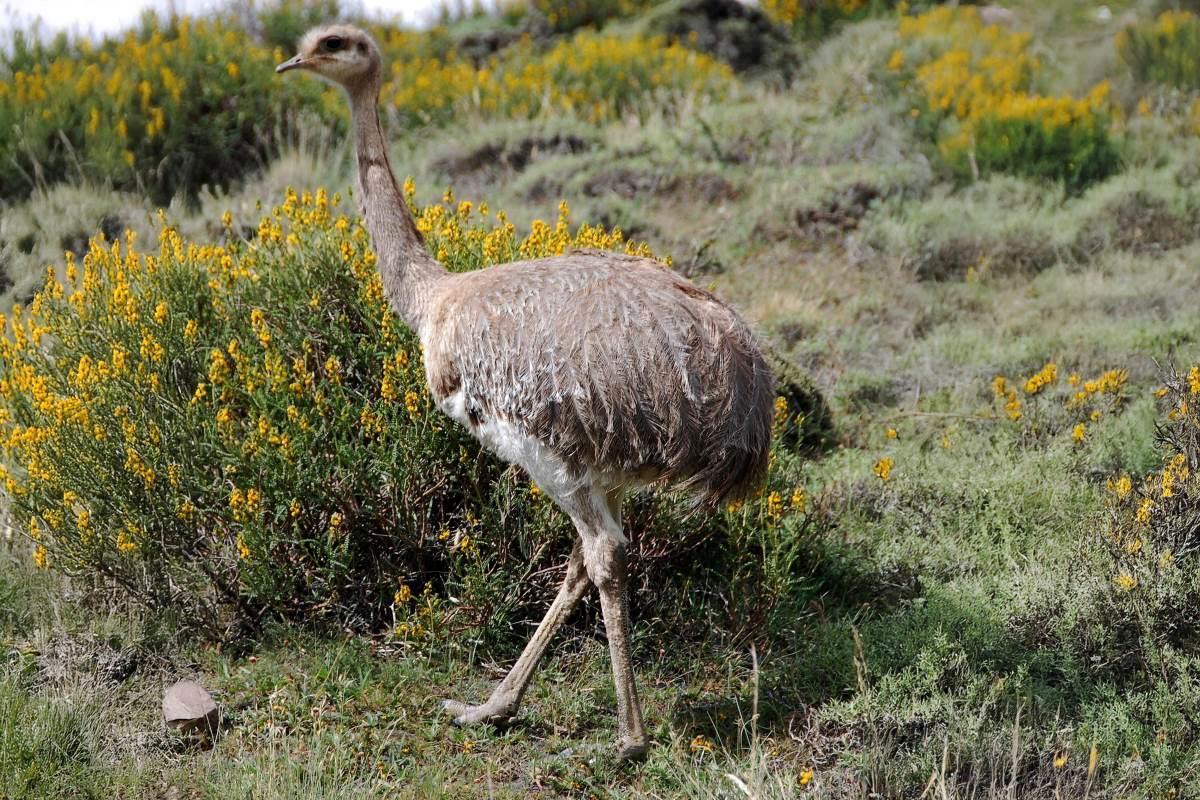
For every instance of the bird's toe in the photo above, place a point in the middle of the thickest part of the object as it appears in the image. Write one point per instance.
(464, 714)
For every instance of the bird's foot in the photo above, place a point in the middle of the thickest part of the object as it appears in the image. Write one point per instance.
(499, 714)
(632, 749)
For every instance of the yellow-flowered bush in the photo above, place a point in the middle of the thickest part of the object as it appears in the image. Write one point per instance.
(972, 89)
(818, 17)
(243, 427)
(594, 76)
(568, 15)
(1044, 404)
(1153, 539)
(1166, 50)
(163, 109)
(179, 104)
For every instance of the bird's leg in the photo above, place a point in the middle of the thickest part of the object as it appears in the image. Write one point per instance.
(604, 555)
(502, 706)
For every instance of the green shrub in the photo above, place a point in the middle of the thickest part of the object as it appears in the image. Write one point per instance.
(1078, 153)
(814, 18)
(242, 429)
(569, 15)
(281, 23)
(1164, 51)
(180, 104)
(167, 109)
(1153, 542)
(971, 87)
(594, 76)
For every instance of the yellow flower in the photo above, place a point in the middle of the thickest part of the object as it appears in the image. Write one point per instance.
(403, 594)
(1125, 582)
(1121, 487)
(333, 369)
(1079, 432)
(1144, 510)
(891, 433)
(700, 744)
(127, 540)
(412, 403)
(774, 505)
(781, 410)
(243, 549)
(258, 323)
(1060, 760)
(186, 510)
(806, 776)
(1041, 379)
(799, 500)
(883, 468)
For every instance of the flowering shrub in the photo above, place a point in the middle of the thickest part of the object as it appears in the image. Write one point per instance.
(817, 17)
(596, 76)
(1153, 540)
(1164, 51)
(1045, 406)
(233, 428)
(568, 15)
(164, 109)
(972, 91)
(183, 103)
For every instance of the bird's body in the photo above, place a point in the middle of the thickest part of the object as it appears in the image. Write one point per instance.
(595, 371)
(609, 367)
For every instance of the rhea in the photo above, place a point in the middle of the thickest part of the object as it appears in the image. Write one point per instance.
(596, 372)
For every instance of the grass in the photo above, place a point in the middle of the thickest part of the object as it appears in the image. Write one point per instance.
(958, 641)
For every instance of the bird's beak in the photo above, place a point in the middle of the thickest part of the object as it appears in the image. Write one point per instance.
(295, 62)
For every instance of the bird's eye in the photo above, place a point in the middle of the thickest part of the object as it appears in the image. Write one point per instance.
(333, 44)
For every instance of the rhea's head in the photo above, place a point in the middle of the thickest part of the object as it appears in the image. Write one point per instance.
(342, 54)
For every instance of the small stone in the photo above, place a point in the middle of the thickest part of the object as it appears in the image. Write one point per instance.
(996, 15)
(189, 709)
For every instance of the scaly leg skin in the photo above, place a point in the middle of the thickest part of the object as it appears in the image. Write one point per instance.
(501, 708)
(605, 558)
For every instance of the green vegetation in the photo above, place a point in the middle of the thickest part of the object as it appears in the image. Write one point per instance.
(980, 581)
(180, 104)
(1165, 51)
(973, 87)
(240, 429)
(165, 109)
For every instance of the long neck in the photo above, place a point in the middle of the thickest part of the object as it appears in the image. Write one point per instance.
(405, 266)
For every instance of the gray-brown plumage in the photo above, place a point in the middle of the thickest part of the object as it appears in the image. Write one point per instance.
(594, 371)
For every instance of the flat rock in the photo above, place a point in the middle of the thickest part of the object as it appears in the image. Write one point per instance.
(188, 708)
